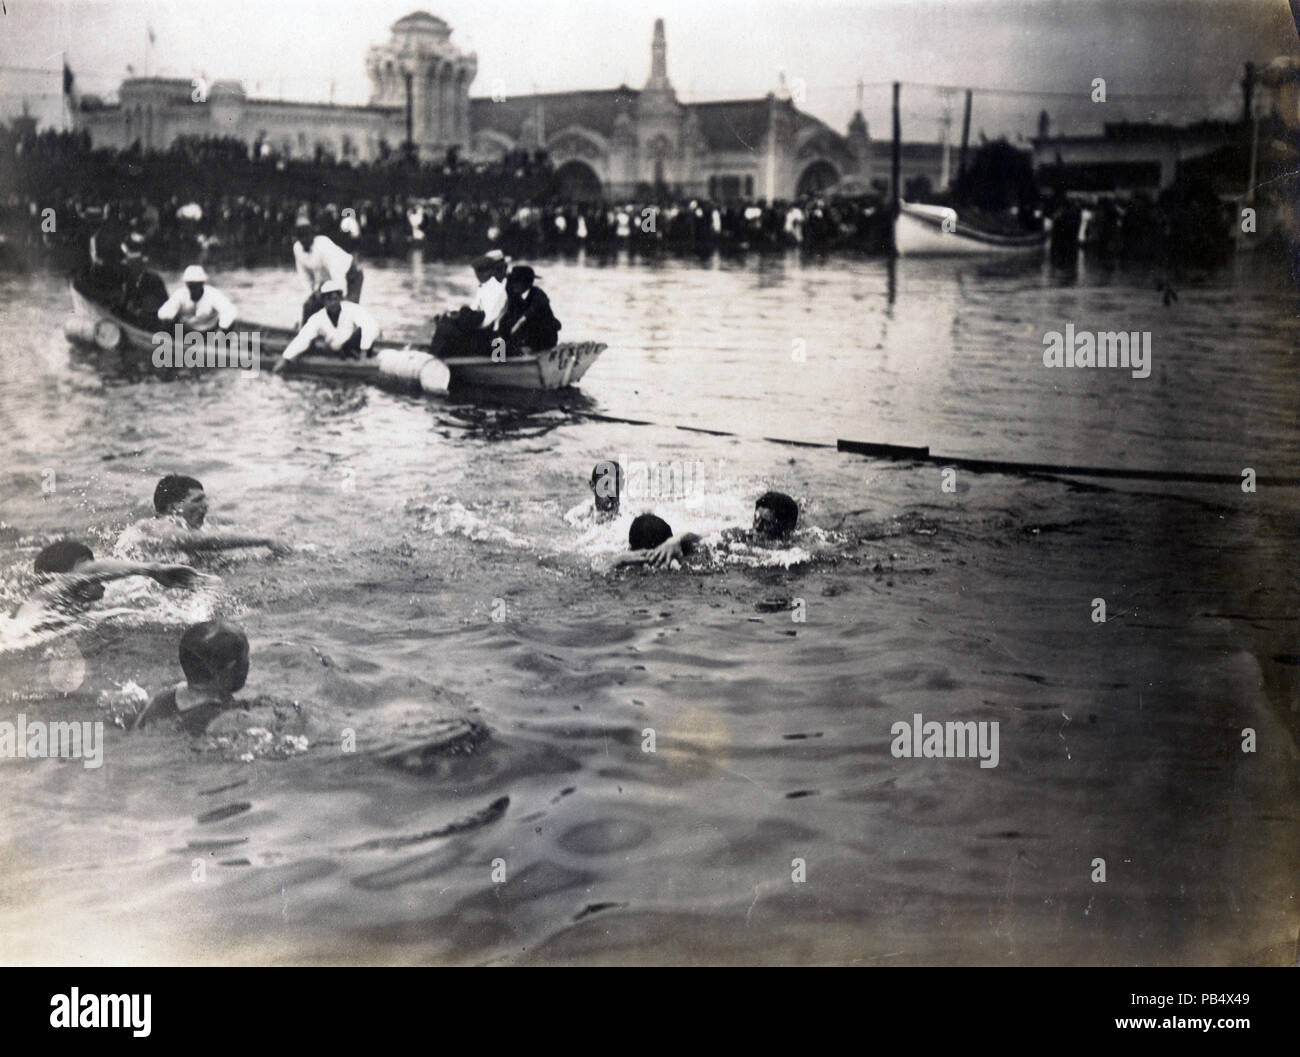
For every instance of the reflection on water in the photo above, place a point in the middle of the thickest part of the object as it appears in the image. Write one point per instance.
(446, 749)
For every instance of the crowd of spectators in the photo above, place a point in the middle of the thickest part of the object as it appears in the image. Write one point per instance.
(223, 201)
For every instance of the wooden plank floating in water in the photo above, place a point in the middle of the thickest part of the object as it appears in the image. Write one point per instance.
(1004, 466)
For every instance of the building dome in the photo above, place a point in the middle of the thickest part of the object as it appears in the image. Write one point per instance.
(421, 23)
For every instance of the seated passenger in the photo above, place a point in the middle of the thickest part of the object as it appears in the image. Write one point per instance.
(528, 321)
(474, 329)
(180, 507)
(196, 305)
(143, 291)
(341, 327)
(214, 658)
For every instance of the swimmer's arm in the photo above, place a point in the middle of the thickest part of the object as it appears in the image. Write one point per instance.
(201, 542)
(106, 570)
(155, 709)
(675, 548)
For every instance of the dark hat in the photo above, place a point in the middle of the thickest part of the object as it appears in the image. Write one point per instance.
(523, 274)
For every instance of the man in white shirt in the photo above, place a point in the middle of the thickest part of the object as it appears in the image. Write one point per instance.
(491, 299)
(474, 330)
(196, 305)
(320, 259)
(343, 327)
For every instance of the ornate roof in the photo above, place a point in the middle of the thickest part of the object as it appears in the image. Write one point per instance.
(594, 110)
(421, 22)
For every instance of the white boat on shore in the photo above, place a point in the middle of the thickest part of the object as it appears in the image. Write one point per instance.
(937, 231)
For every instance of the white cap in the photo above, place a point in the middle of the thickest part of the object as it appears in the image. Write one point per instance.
(331, 286)
(194, 274)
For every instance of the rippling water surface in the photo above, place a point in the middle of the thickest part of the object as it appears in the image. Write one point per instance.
(502, 689)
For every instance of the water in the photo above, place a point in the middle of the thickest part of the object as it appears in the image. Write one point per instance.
(514, 747)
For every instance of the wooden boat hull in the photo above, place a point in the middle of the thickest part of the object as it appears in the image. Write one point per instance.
(937, 231)
(555, 368)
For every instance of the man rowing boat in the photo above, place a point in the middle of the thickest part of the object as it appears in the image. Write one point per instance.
(342, 327)
(319, 259)
(197, 305)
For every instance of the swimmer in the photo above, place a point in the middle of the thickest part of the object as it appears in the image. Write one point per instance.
(648, 534)
(72, 580)
(214, 657)
(775, 517)
(606, 488)
(180, 507)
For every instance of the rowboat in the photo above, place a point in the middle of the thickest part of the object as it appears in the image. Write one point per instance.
(937, 231)
(96, 325)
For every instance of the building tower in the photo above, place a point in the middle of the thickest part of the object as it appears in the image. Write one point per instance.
(421, 69)
(659, 120)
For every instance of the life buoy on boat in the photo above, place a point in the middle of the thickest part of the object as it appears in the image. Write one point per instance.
(412, 365)
(103, 333)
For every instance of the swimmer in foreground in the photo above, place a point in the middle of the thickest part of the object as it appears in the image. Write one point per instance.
(214, 658)
(647, 535)
(180, 507)
(72, 580)
(651, 540)
(606, 488)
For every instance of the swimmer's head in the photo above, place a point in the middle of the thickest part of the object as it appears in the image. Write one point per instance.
(65, 556)
(647, 531)
(607, 485)
(214, 656)
(181, 495)
(775, 515)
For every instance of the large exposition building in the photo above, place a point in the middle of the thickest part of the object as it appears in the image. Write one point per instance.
(608, 143)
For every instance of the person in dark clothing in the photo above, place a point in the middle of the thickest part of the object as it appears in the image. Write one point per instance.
(143, 291)
(528, 321)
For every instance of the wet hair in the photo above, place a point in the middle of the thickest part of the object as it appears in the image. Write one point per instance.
(60, 557)
(601, 474)
(172, 489)
(647, 531)
(215, 653)
(785, 511)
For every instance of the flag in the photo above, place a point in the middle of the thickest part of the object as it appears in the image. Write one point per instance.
(68, 79)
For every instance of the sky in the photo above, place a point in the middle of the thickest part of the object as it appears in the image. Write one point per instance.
(1161, 59)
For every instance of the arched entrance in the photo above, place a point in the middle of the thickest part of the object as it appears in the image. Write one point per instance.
(576, 181)
(816, 178)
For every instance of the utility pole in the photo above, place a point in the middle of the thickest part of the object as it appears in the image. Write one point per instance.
(945, 130)
(965, 138)
(896, 160)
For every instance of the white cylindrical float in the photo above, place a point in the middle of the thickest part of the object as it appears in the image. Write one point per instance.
(101, 332)
(415, 367)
